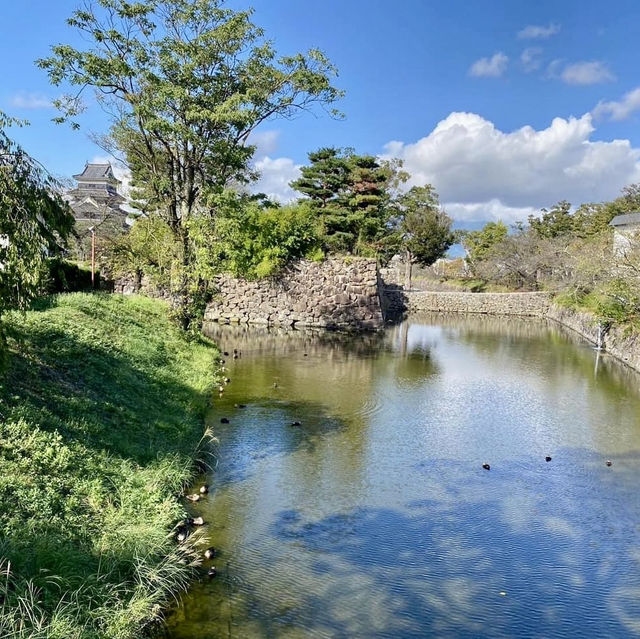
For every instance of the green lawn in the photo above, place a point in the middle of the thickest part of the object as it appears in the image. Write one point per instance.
(101, 414)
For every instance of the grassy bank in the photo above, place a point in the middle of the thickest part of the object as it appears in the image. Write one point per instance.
(101, 413)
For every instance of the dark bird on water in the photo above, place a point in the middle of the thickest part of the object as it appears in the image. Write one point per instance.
(226, 354)
(609, 462)
(210, 553)
(486, 466)
(547, 458)
(224, 420)
(295, 424)
(212, 572)
(240, 405)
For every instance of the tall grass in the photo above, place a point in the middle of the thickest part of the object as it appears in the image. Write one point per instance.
(101, 415)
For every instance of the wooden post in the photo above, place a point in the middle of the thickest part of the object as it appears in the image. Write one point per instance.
(93, 257)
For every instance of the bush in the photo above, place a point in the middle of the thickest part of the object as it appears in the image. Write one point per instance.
(253, 242)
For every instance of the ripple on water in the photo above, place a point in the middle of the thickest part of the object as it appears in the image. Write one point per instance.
(382, 523)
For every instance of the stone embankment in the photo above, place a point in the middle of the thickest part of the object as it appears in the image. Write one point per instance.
(525, 304)
(337, 293)
(615, 340)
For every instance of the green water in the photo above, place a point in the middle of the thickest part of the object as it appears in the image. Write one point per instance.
(375, 518)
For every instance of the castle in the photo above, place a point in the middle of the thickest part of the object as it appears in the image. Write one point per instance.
(96, 199)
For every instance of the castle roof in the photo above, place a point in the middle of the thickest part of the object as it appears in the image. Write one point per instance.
(97, 172)
(624, 220)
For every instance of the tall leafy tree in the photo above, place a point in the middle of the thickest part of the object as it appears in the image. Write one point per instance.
(423, 228)
(185, 82)
(34, 222)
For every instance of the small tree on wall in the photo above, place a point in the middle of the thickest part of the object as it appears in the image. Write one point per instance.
(351, 195)
(422, 227)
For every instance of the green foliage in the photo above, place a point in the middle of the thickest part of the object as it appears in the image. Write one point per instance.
(570, 254)
(480, 244)
(148, 249)
(187, 81)
(424, 228)
(34, 222)
(107, 231)
(351, 196)
(554, 222)
(253, 241)
(102, 408)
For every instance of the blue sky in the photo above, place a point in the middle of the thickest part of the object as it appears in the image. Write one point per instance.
(504, 106)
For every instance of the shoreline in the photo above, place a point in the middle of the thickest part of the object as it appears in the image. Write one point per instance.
(616, 340)
(102, 413)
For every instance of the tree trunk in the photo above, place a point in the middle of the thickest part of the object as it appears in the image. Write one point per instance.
(408, 267)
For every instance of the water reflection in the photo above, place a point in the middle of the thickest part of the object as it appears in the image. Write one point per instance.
(374, 518)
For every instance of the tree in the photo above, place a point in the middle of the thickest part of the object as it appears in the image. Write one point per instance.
(593, 218)
(480, 244)
(254, 240)
(34, 222)
(185, 82)
(424, 229)
(554, 222)
(351, 195)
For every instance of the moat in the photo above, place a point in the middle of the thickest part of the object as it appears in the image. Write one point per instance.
(374, 516)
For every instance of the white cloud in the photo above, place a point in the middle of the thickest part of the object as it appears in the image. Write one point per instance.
(620, 110)
(492, 67)
(480, 171)
(582, 73)
(537, 32)
(275, 175)
(530, 59)
(493, 210)
(266, 142)
(26, 100)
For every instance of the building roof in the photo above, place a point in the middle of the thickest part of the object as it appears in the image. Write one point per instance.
(97, 172)
(624, 220)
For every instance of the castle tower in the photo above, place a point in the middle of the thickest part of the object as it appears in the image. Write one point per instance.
(96, 196)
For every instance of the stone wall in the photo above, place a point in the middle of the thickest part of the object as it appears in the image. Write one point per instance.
(527, 304)
(131, 284)
(339, 293)
(615, 341)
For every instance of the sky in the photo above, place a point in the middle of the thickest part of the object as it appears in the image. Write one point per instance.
(504, 106)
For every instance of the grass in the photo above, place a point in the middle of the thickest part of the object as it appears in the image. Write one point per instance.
(101, 415)
(617, 308)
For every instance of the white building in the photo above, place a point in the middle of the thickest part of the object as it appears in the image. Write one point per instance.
(625, 229)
